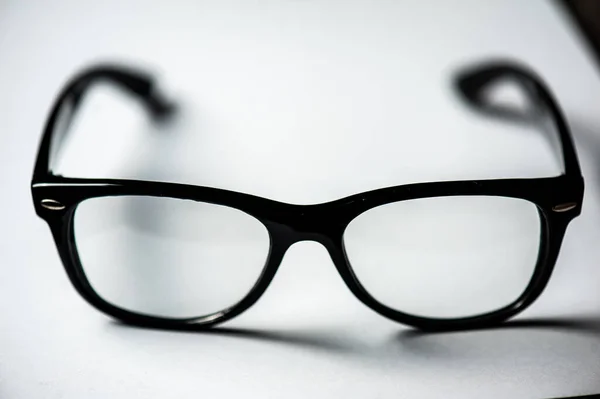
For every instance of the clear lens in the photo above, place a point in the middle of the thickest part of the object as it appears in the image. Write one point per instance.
(169, 257)
(445, 257)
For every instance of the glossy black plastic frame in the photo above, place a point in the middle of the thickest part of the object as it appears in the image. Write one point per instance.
(558, 199)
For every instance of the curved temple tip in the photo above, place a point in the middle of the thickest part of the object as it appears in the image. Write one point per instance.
(471, 84)
(137, 83)
(160, 107)
(472, 80)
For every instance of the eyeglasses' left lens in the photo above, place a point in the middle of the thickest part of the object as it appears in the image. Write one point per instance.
(168, 257)
(446, 257)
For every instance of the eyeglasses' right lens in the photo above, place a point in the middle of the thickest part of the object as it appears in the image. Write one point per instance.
(167, 257)
(446, 257)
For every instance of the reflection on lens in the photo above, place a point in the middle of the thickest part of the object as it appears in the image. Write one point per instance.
(169, 257)
(445, 257)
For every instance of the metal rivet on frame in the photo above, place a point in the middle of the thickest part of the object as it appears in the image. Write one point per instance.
(564, 207)
(51, 204)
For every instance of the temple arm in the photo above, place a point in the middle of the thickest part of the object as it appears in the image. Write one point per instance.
(474, 83)
(133, 82)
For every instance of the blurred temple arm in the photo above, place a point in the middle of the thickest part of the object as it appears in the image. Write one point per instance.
(474, 83)
(134, 82)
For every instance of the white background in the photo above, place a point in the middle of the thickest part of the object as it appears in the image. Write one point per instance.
(304, 102)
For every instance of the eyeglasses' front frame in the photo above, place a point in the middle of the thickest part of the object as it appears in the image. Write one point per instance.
(558, 200)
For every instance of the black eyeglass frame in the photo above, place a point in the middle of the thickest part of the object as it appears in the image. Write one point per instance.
(558, 200)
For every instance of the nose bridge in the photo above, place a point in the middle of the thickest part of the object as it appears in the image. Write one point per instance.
(309, 223)
(314, 223)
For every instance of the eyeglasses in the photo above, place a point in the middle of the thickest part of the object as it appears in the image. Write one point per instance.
(436, 256)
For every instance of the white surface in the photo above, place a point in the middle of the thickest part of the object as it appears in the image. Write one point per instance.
(300, 101)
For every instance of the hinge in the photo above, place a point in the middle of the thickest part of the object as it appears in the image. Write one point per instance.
(564, 207)
(51, 204)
